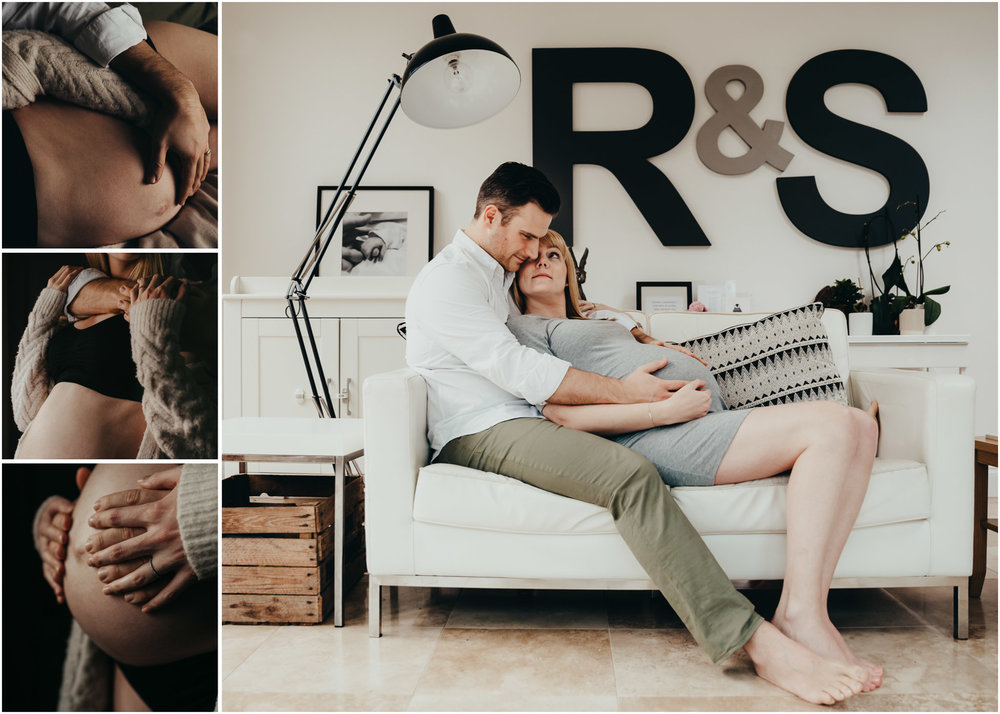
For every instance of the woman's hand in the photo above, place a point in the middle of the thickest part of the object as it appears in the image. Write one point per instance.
(586, 307)
(687, 403)
(684, 350)
(63, 277)
(149, 288)
(52, 539)
(157, 547)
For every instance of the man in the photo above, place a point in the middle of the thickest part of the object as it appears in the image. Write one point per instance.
(485, 392)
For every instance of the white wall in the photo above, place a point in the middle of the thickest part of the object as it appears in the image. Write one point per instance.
(300, 82)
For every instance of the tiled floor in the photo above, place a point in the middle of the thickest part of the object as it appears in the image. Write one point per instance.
(451, 650)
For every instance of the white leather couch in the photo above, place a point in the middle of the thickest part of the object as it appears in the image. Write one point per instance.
(450, 526)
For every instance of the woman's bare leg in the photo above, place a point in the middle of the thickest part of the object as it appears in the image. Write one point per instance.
(829, 449)
(124, 697)
(195, 54)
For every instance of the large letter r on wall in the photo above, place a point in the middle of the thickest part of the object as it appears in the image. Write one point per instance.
(556, 147)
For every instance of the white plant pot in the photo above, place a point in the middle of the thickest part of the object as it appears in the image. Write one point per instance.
(911, 321)
(860, 323)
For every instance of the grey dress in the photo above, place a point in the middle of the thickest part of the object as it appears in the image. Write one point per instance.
(686, 454)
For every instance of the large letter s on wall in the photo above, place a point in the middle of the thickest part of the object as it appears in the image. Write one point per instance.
(896, 160)
(556, 147)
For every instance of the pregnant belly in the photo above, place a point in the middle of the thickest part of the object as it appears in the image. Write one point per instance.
(184, 628)
(89, 177)
(75, 422)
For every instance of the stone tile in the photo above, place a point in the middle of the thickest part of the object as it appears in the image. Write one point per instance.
(327, 659)
(533, 609)
(782, 703)
(238, 642)
(289, 702)
(668, 663)
(401, 606)
(923, 660)
(934, 607)
(473, 702)
(505, 663)
(640, 609)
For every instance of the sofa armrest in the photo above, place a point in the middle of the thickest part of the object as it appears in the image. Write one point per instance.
(395, 408)
(929, 417)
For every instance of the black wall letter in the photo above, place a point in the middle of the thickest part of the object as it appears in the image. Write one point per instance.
(896, 160)
(556, 147)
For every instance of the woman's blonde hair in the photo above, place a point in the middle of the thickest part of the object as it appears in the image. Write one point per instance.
(146, 265)
(572, 290)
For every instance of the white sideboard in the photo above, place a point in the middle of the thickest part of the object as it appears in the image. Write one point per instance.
(909, 351)
(355, 326)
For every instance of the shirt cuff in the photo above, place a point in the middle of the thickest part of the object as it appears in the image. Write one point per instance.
(111, 33)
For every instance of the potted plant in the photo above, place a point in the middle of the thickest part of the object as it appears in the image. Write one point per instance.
(888, 306)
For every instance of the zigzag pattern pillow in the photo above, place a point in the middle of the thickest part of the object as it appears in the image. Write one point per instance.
(781, 358)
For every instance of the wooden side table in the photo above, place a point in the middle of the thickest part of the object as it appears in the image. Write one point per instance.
(290, 440)
(986, 456)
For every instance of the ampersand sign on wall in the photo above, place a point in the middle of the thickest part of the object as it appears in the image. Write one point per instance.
(729, 112)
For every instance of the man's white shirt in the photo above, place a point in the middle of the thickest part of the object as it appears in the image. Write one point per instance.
(477, 373)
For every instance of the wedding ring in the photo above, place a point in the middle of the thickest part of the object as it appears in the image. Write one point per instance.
(152, 568)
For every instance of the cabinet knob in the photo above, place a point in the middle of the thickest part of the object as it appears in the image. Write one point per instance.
(300, 396)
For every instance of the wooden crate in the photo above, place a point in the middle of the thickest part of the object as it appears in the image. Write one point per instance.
(277, 551)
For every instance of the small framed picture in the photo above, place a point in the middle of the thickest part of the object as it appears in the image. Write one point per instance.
(662, 297)
(387, 231)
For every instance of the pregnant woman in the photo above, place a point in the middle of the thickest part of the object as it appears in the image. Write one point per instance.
(695, 441)
(104, 387)
(166, 657)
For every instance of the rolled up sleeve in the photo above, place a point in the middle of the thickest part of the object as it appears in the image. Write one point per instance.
(462, 322)
(99, 31)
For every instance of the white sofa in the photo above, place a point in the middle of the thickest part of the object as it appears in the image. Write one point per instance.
(449, 526)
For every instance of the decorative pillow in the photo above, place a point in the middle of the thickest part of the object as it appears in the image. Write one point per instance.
(781, 358)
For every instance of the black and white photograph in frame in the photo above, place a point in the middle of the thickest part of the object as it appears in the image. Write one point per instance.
(662, 296)
(387, 231)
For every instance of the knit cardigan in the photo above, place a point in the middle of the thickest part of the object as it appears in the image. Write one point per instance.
(179, 402)
(86, 682)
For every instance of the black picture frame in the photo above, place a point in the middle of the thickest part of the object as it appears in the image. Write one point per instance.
(407, 210)
(647, 292)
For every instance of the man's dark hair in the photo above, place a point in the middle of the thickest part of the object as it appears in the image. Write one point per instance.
(514, 185)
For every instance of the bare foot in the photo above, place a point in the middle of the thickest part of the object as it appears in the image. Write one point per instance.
(797, 669)
(825, 640)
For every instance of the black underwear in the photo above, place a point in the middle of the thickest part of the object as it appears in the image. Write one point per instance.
(20, 207)
(187, 685)
(98, 357)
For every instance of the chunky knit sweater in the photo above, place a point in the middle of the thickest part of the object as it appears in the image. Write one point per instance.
(38, 64)
(87, 670)
(179, 401)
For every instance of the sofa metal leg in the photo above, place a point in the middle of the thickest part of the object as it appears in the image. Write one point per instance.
(374, 607)
(961, 607)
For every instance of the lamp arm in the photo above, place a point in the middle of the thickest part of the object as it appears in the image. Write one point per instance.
(298, 290)
(354, 187)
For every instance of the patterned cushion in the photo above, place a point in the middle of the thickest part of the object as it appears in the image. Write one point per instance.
(781, 358)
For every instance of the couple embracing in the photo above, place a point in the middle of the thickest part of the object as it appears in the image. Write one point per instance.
(520, 383)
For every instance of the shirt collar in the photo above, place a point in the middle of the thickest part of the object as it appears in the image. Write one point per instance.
(487, 262)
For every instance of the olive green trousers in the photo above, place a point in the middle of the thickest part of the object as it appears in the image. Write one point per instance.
(589, 468)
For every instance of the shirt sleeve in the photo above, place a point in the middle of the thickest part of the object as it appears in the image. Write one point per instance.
(98, 30)
(454, 311)
(84, 277)
(620, 317)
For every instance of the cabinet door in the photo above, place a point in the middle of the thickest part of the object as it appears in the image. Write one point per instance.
(274, 378)
(367, 346)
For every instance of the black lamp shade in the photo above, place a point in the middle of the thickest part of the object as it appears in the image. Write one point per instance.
(457, 79)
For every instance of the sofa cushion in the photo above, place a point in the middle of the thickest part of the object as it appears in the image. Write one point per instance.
(780, 358)
(465, 498)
